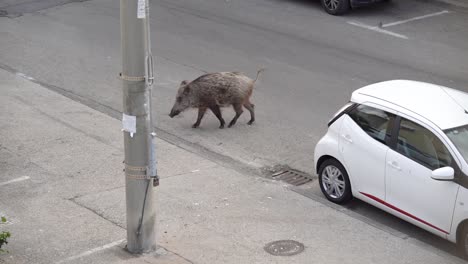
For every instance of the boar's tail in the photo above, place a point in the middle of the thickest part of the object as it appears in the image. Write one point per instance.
(258, 73)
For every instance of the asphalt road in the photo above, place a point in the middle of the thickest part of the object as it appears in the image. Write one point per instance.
(313, 62)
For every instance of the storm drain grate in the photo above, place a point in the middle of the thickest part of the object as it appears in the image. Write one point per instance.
(292, 177)
(284, 248)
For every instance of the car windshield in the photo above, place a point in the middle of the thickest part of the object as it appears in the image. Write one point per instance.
(459, 137)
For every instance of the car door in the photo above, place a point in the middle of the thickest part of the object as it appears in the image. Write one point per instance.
(411, 191)
(365, 132)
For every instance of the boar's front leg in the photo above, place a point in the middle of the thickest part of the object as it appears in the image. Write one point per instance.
(201, 113)
(215, 109)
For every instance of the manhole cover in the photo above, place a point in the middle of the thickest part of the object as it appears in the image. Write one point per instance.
(284, 248)
(291, 176)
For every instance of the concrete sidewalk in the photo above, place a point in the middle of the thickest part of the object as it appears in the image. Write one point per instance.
(62, 190)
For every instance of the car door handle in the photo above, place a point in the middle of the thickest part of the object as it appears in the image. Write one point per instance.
(394, 165)
(347, 138)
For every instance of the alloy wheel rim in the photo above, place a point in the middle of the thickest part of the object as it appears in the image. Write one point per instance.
(332, 4)
(333, 182)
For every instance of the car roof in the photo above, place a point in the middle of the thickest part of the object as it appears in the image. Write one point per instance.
(443, 106)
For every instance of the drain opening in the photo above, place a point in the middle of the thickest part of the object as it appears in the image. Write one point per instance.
(292, 177)
(284, 248)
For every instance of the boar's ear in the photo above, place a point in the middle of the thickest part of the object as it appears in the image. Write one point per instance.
(184, 82)
(186, 90)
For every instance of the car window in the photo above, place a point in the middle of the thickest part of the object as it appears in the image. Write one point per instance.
(421, 145)
(375, 122)
(459, 137)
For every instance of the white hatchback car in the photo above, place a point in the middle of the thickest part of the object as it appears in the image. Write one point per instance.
(402, 146)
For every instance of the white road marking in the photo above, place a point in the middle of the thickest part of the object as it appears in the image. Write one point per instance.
(377, 29)
(92, 251)
(415, 18)
(15, 180)
(24, 76)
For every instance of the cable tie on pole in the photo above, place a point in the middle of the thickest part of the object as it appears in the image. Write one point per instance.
(132, 78)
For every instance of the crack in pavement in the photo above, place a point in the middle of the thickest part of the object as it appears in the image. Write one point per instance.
(21, 8)
(96, 212)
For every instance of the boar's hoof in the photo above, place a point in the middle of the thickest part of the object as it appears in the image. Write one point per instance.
(221, 126)
(250, 123)
(195, 125)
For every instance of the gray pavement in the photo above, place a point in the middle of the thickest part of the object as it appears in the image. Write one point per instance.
(314, 61)
(62, 189)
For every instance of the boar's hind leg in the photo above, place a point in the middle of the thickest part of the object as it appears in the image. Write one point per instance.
(215, 109)
(201, 113)
(249, 106)
(238, 109)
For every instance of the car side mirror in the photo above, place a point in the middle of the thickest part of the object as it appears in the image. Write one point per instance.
(443, 174)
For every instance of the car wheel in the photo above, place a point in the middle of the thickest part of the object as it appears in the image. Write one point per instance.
(334, 182)
(463, 242)
(336, 7)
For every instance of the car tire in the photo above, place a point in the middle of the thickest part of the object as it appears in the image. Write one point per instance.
(336, 7)
(462, 243)
(334, 182)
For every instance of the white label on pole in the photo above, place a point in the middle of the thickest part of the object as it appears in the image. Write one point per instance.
(141, 10)
(129, 124)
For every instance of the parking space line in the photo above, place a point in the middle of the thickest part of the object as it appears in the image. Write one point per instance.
(92, 251)
(377, 29)
(15, 180)
(415, 18)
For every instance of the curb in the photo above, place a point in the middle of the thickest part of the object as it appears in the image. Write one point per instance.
(459, 3)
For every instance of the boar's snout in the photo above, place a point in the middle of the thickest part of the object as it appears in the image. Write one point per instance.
(174, 113)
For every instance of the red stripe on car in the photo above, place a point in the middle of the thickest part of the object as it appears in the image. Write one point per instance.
(403, 212)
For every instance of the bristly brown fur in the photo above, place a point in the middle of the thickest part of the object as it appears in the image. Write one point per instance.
(215, 90)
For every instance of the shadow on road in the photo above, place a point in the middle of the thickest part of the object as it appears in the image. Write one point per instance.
(400, 225)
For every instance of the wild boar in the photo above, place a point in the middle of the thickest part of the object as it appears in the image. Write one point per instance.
(213, 91)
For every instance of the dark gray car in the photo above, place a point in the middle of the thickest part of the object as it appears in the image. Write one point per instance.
(339, 7)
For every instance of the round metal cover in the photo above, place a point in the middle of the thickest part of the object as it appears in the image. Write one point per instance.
(284, 248)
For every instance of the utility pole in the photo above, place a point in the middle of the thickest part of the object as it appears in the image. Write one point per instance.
(139, 137)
